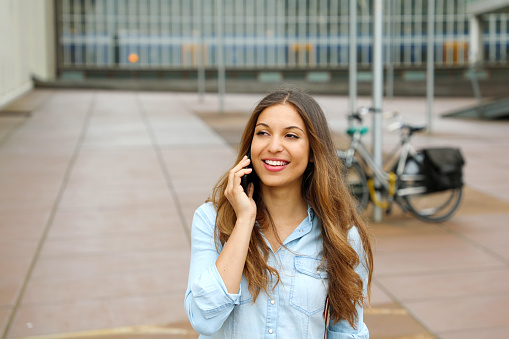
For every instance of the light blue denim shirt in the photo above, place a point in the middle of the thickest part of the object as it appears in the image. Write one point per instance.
(294, 309)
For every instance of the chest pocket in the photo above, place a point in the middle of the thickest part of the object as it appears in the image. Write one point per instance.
(309, 286)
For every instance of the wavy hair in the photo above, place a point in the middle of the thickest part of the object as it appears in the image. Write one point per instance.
(324, 190)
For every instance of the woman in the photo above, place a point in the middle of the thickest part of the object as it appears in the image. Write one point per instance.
(265, 259)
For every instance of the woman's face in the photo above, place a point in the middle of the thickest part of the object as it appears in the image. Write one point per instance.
(280, 147)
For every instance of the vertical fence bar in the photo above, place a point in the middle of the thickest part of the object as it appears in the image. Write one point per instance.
(430, 78)
(367, 29)
(281, 41)
(198, 23)
(407, 33)
(77, 35)
(220, 54)
(389, 90)
(460, 22)
(377, 91)
(492, 37)
(439, 22)
(342, 20)
(504, 41)
(334, 33)
(397, 32)
(417, 32)
(352, 71)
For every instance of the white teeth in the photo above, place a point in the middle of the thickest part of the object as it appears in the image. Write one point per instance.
(275, 163)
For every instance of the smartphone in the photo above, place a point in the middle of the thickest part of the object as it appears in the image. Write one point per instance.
(247, 178)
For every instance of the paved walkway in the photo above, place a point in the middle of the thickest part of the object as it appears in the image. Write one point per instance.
(98, 189)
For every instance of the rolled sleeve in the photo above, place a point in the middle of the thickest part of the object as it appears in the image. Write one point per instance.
(208, 303)
(342, 329)
(210, 294)
(336, 333)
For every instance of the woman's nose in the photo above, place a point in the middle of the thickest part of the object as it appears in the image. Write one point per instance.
(275, 145)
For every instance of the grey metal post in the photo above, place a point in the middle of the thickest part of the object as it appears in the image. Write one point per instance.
(377, 91)
(430, 77)
(352, 68)
(220, 55)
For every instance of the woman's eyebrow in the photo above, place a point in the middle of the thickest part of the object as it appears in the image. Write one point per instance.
(289, 127)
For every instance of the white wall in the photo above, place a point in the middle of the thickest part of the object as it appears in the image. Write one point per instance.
(27, 45)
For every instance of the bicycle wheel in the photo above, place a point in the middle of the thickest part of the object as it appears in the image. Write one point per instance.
(357, 183)
(425, 205)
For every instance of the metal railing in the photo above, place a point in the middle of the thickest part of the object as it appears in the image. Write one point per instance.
(261, 34)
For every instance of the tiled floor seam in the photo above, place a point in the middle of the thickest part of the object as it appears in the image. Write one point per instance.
(479, 246)
(160, 158)
(401, 304)
(47, 227)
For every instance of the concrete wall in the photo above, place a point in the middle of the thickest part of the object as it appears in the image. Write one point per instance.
(27, 45)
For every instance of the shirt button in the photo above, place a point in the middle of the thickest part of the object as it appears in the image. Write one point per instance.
(271, 331)
(272, 302)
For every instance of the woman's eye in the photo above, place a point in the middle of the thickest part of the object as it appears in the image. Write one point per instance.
(261, 133)
(295, 136)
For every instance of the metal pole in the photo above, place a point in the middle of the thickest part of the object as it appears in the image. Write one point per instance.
(377, 92)
(430, 83)
(220, 55)
(352, 70)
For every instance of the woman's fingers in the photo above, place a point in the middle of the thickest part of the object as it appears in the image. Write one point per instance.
(236, 173)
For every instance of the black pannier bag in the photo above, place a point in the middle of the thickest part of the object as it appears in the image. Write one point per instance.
(443, 168)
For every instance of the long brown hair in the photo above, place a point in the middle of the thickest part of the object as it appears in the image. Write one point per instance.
(323, 188)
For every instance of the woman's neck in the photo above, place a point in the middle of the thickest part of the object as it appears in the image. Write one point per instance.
(284, 203)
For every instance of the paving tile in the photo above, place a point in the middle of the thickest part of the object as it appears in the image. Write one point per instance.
(485, 222)
(378, 296)
(503, 252)
(433, 261)
(397, 224)
(135, 220)
(104, 286)
(27, 224)
(419, 241)
(487, 332)
(14, 271)
(466, 312)
(103, 263)
(431, 286)
(18, 249)
(8, 290)
(31, 320)
(391, 321)
(5, 313)
(113, 131)
(114, 197)
(171, 239)
(18, 192)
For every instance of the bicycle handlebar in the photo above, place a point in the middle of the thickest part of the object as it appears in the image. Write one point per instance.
(363, 111)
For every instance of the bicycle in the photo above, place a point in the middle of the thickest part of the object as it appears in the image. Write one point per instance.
(407, 183)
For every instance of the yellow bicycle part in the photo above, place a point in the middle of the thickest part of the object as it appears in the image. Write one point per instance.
(392, 189)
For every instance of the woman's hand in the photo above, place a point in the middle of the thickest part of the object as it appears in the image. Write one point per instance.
(242, 203)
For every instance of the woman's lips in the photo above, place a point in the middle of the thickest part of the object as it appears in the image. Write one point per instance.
(275, 165)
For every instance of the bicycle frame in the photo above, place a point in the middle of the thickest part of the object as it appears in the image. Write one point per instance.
(380, 175)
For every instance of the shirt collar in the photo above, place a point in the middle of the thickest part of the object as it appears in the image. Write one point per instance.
(304, 228)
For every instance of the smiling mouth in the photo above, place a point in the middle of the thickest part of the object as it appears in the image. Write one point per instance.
(276, 162)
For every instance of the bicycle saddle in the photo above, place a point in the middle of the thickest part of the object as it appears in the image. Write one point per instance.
(413, 129)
